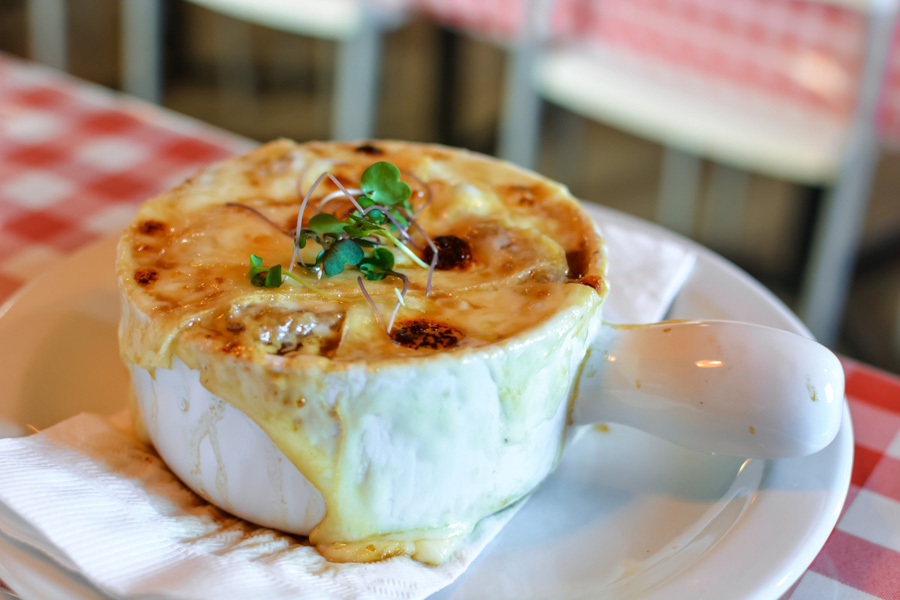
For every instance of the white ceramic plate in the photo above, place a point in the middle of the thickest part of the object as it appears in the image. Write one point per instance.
(625, 515)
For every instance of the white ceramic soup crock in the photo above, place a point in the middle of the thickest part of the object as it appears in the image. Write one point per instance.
(405, 455)
(439, 442)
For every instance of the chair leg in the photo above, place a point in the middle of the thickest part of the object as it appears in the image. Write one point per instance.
(837, 236)
(142, 54)
(835, 244)
(520, 121)
(48, 32)
(726, 208)
(567, 134)
(679, 189)
(446, 103)
(236, 65)
(520, 125)
(356, 85)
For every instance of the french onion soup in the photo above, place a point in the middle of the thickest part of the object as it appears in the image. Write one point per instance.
(401, 322)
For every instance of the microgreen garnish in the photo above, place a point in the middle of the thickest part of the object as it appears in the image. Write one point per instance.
(326, 223)
(426, 192)
(258, 214)
(378, 266)
(381, 213)
(272, 277)
(264, 277)
(338, 255)
(371, 302)
(381, 183)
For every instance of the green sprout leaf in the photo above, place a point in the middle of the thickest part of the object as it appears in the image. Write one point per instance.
(355, 231)
(340, 254)
(378, 266)
(357, 240)
(305, 234)
(376, 216)
(262, 277)
(399, 218)
(273, 277)
(381, 183)
(363, 226)
(326, 223)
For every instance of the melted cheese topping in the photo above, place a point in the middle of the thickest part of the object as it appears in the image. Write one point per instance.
(183, 272)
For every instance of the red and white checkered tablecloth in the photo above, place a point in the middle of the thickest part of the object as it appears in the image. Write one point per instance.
(76, 160)
(861, 559)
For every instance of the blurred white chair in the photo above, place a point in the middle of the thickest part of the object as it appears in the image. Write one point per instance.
(48, 32)
(518, 27)
(356, 26)
(840, 155)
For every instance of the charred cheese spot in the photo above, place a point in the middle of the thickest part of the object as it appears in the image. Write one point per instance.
(522, 195)
(233, 347)
(426, 334)
(235, 326)
(151, 227)
(453, 253)
(369, 149)
(592, 281)
(146, 276)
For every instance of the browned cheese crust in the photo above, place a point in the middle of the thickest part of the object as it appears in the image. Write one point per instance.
(511, 245)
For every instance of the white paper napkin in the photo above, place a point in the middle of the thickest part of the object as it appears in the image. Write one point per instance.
(645, 274)
(92, 498)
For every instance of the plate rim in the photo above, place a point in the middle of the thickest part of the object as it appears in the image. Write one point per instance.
(800, 555)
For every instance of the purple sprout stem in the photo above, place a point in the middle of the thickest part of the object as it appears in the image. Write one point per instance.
(306, 169)
(424, 187)
(338, 194)
(296, 253)
(434, 254)
(261, 216)
(394, 221)
(371, 302)
(345, 190)
(399, 302)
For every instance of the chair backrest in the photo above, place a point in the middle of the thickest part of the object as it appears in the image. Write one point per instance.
(502, 21)
(802, 54)
(326, 19)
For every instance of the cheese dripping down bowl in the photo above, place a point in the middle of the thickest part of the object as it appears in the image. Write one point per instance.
(384, 405)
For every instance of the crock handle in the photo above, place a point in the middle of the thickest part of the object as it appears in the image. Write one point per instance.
(714, 386)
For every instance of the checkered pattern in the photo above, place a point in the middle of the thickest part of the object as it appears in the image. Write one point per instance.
(808, 53)
(861, 559)
(75, 161)
(499, 21)
(790, 55)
